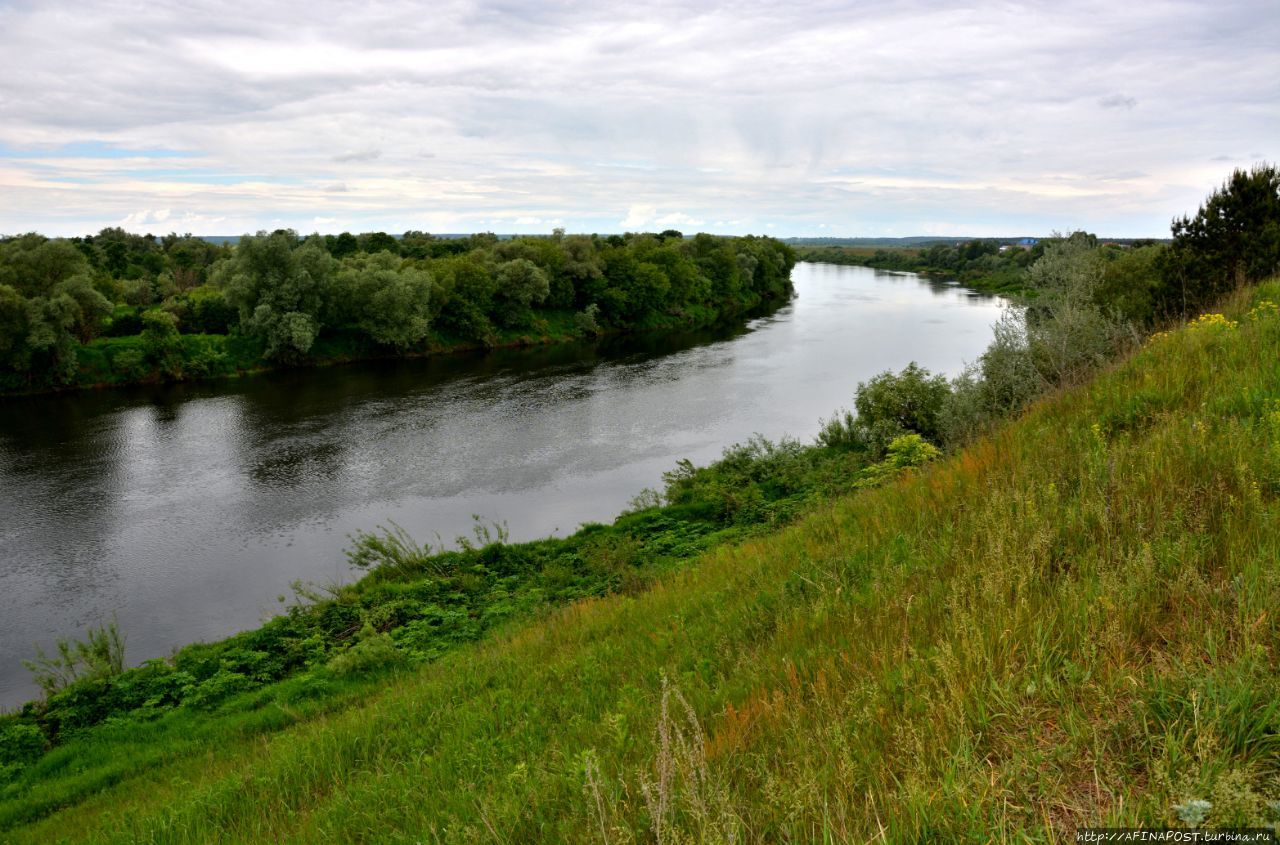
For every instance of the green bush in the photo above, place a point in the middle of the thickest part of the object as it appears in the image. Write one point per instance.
(20, 744)
(209, 311)
(373, 652)
(161, 343)
(220, 686)
(889, 406)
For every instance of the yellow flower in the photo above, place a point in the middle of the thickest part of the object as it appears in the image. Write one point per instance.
(1205, 320)
(1262, 309)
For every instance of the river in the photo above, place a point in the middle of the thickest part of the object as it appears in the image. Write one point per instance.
(187, 510)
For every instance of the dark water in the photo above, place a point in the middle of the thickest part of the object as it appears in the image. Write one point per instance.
(187, 510)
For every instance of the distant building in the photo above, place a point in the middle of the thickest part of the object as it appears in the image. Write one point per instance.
(1021, 243)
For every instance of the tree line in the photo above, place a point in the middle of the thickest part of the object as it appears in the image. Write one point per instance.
(1234, 238)
(122, 307)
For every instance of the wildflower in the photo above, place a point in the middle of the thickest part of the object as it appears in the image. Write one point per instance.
(1207, 320)
(1264, 308)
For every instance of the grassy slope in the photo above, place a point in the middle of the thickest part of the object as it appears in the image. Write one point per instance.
(1072, 621)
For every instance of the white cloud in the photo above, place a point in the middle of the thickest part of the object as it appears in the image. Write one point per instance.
(677, 219)
(638, 217)
(856, 117)
(144, 218)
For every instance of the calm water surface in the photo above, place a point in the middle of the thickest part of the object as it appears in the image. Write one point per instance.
(187, 510)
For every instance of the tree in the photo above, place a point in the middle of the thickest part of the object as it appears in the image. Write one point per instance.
(188, 258)
(1234, 239)
(60, 305)
(51, 337)
(378, 242)
(521, 285)
(15, 353)
(891, 405)
(387, 302)
(161, 343)
(340, 246)
(464, 293)
(280, 290)
(34, 265)
(416, 244)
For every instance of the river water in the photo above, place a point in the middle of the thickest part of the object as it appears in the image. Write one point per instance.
(187, 510)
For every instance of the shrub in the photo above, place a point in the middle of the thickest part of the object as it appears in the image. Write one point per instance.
(20, 743)
(214, 690)
(209, 312)
(124, 322)
(1009, 378)
(964, 414)
(372, 652)
(889, 406)
(99, 655)
(841, 431)
(905, 452)
(585, 320)
(161, 343)
(1068, 334)
(387, 547)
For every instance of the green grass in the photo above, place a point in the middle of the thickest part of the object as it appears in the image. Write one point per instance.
(1073, 621)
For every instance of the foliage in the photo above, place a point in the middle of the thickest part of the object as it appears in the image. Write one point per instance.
(386, 301)
(1233, 240)
(889, 406)
(1068, 333)
(280, 288)
(296, 300)
(209, 311)
(586, 322)
(903, 452)
(161, 343)
(48, 306)
(100, 655)
(373, 651)
(520, 284)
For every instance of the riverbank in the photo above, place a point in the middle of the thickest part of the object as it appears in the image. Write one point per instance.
(111, 362)
(72, 316)
(1066, 623)
(989, 272)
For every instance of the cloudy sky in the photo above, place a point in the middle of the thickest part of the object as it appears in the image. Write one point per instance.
(784, 118)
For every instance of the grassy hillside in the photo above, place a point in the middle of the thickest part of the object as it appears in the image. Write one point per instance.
(1072, 621)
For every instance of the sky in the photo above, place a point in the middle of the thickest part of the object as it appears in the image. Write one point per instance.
(791, 119)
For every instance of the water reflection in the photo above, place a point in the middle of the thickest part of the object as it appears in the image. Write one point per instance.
(186, 509)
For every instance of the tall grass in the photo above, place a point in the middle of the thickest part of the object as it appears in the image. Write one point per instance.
(1073, 621)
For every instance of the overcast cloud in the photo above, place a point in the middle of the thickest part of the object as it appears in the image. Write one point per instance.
(790, 119)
